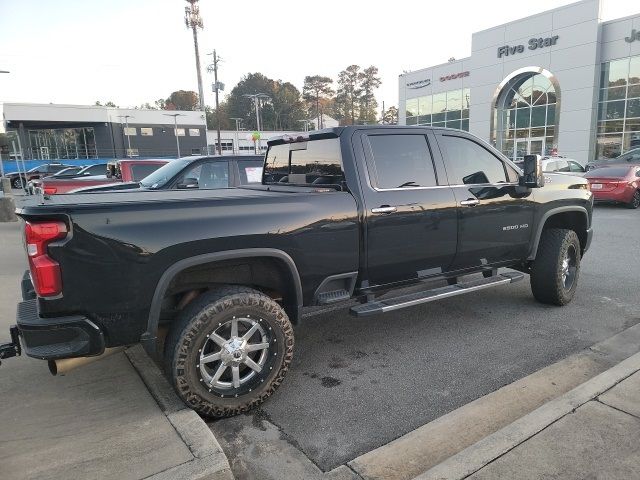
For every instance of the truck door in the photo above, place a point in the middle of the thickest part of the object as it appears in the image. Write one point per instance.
(410, 216)
(495, 215)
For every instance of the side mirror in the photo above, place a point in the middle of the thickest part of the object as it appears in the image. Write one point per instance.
(188, 183)
(533, 176)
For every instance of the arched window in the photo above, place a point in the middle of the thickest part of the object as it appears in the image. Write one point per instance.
(526, 114)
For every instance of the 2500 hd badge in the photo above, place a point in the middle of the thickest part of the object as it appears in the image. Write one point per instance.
(515, 227)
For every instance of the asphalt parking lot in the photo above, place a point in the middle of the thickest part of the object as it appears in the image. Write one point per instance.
(357, 384)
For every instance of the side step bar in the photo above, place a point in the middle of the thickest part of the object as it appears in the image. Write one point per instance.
(390, 304)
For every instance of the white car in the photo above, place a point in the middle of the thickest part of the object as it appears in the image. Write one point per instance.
(563, 165)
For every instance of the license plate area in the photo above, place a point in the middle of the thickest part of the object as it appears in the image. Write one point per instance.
(596, 186)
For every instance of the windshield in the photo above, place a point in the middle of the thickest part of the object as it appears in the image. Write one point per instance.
(165, 173)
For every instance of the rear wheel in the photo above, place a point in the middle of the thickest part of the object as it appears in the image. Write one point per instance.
(229, 350)
(635, 201)
(18, 183)
(555, 271)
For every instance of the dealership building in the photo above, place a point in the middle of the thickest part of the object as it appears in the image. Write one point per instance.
(560, 81)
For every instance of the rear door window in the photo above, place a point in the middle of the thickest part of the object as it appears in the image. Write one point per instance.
(210, 175)
(315, 162)
(400, 161)
(469, 163)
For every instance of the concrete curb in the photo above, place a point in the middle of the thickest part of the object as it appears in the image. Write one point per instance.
(209, 461)
(473, 458)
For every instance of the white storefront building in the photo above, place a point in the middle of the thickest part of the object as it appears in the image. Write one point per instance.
(561, 80)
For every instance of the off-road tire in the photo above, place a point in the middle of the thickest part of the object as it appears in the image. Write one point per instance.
(190, 330)
(18, 182)
(635, 201)
(546, 277)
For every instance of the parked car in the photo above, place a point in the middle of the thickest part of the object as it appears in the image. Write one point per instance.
(71, 172)
(563, 165)
(19, 180)
(342, 213)
(114, 173)
(195, 173)
(631, 157)
(618, 183)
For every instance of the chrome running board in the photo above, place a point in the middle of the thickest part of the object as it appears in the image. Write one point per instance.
(404, 301)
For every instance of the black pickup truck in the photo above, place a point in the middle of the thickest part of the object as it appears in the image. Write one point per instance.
(214, 280)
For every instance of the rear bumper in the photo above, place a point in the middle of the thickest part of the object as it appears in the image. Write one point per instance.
(620, 195)
(59, 337)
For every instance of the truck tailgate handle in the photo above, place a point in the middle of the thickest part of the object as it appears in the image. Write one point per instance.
(472, 202)
(384, 209)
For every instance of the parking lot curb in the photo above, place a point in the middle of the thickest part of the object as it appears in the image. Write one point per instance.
(209, 461)
(483, 452)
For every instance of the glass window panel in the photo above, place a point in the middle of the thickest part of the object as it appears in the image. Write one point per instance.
(611, 126)
(537, 132)
(522, 133)
(398, 159)
(464, 125)
(424, 105)
(454, 100)
(453, 115)
(615, 93)
(412, 120)
(550, 131)
(608, 146)
(439, 102)
(634, 70)
(548, 145)
(522, 117)
(538, 116)
(438, 124)
(613, 110)
(633, 107)
(465, 113)
(616, 73)
(631, 141)
(412, 107)
(424, 120)
(438, 117)
(466, 98)
(453, 124)
(632, 125)
(634, 91)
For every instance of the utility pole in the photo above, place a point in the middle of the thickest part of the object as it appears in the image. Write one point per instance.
(256, 97)
(216, 88)
(193, 20)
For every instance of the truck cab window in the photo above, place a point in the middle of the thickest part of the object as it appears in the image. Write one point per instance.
(315, 162)
(469, 163)
(400, 161)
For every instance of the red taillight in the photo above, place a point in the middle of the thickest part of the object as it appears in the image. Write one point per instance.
(45, 272)
(50, 190)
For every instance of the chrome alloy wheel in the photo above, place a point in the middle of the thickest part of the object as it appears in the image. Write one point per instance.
(233, 354)
(569, 267)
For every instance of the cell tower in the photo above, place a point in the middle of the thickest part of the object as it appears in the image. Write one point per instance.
(193, 20)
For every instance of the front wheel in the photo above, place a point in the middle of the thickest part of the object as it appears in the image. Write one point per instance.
(555, 271)
(635, 201)
(17, 183)
(229, 350)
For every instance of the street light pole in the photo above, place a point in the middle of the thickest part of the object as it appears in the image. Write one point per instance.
(175, 128)
(237, 144)
(126, 122)
(193, 20)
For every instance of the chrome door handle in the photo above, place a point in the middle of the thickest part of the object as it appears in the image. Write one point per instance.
(470, 203)
(384, 209)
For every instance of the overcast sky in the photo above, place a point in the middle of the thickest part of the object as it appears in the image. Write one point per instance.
(136, 51)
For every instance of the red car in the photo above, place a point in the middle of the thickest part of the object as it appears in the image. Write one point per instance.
(115, 172)
(616, 183)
